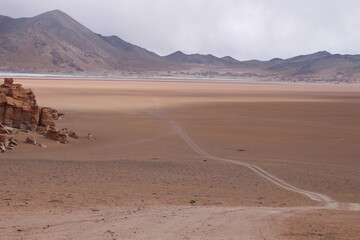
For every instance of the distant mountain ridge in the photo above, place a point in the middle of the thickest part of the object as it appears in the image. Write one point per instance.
(53, 42)
(317, 62)
(56, 42)
(182, 58)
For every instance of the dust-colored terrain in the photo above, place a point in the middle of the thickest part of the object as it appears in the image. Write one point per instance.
(140, 174)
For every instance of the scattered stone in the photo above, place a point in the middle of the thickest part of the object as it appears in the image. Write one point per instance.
(10, 129)
(4, 130)
(13, 140)
(60, 114)
(42, 145)
(10, 147)
(31, 139)
(7, 141)
(41, 130)
(57, 135)
(91, 136)
(47, 226)
(72, 134)
(2, 147)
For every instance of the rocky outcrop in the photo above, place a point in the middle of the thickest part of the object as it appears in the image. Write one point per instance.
(18, 106)
(19, 110)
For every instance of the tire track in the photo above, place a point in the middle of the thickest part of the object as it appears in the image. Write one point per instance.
(325, 200)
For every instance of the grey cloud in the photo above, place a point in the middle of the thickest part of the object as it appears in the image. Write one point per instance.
(244, 29)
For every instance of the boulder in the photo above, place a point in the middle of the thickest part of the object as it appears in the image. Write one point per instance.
(47, 117)
(13, 141)
(7, 141)
(2, 147)
(4, 130)
(4, 138)
(91, 136)
(31, 139)
(57, 135)
(60, 114)
(8, 81)
(41, 129)
(69, 132)
(72, 134)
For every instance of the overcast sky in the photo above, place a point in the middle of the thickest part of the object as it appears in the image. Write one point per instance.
(244, 29)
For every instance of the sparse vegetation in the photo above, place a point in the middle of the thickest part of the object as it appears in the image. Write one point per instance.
(55, 201)
(329, 238)
(192, 201)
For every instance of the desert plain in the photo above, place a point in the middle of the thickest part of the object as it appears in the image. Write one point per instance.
(164, 164)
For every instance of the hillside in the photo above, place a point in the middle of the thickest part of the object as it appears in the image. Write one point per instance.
(53, 42)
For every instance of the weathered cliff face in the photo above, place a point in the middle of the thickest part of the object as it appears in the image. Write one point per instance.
(18, 107)
(19, 110)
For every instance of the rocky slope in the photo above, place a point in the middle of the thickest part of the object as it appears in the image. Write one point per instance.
(53, 42)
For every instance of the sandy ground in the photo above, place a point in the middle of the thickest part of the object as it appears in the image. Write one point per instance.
(140, 174)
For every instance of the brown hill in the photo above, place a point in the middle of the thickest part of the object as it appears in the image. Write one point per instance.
(321, 64)
(53, 42)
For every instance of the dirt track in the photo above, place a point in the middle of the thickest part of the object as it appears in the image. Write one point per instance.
(327, 201)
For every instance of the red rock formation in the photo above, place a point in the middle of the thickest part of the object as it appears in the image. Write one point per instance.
(47, 116)
(18, 109)
(57, 135)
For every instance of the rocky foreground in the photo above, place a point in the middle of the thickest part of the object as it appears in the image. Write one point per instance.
(20, 112)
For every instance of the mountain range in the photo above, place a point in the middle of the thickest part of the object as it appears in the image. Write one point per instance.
(53, 42)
